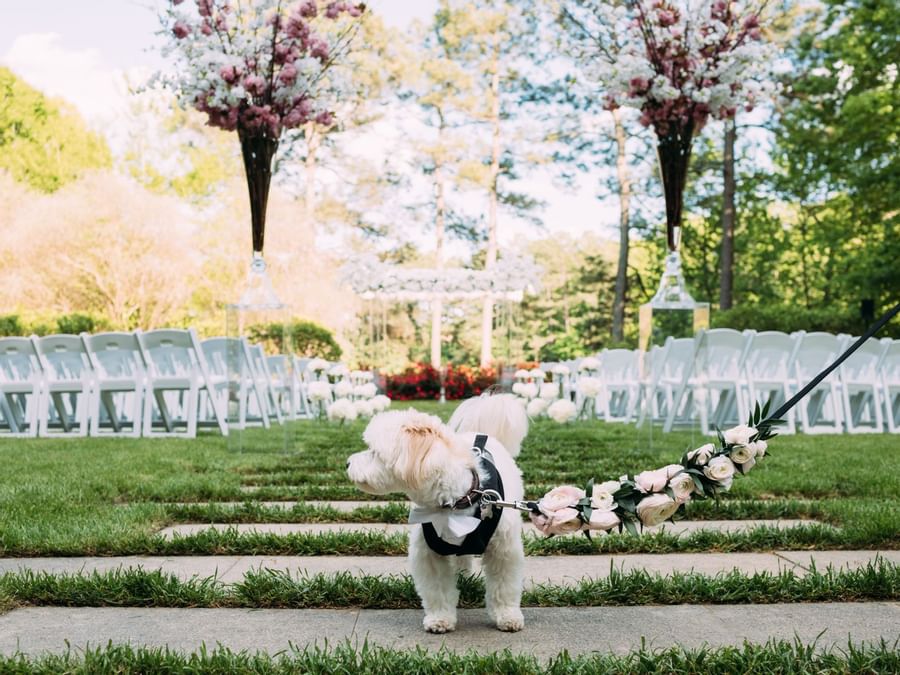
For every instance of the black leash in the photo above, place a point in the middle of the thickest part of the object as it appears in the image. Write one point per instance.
(796, 398)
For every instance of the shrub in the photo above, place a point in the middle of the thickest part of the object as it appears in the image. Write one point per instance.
(10, 325)
(307, 338)
(790, 318)
(422, 381)
(73, 324)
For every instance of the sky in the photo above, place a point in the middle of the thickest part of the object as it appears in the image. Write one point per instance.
(83, 50)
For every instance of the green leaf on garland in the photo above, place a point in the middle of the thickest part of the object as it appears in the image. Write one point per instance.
(629, 525)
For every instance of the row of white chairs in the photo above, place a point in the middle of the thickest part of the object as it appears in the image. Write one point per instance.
(156, 383)
(716, 377)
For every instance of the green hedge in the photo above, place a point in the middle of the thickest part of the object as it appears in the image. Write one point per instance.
(307, 339)
(67, 324)
(790, 318)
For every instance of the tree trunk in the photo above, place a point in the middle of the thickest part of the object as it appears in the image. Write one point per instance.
(313, 138)
(487, 315)
(624, 179)
(726, 287)
(437, 305)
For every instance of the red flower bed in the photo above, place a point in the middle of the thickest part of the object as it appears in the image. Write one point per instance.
(422, 381)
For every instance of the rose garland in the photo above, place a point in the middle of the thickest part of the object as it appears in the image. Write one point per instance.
(653, 497)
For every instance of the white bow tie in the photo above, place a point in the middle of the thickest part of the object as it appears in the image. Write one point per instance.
(451, 526)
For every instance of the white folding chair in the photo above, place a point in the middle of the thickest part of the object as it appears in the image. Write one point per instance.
(216, 354)
(677, 371)
(67, 385)
(620, 384)
(820, 412)
(176, 376)
(260, 369)
(768, 371)
(281, 377)
(651, 398)
(861, 389)
(119, 383)
(20, 386)
(890, 384)
(717, 380)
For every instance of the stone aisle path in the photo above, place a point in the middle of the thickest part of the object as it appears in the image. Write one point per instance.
(547, 631)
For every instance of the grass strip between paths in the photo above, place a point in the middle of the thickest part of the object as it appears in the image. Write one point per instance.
(774, 657)
(272, 589)
(230, 542)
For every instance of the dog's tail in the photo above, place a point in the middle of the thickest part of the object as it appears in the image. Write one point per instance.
(501, 416)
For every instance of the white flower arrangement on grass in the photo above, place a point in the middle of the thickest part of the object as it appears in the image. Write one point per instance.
(367, 390)
(537, 375)
(549, 390)
(342, 410)
(562, 411)
(522, 374)
(537, 407)
(653, 497)
(381, 402)
(589, 363)
(560, 369)
(339, 371)
(589, 388)
(316, 365)
(362, 375)
(319, 393)
(364, 407)
(343, 389)
(527, 390)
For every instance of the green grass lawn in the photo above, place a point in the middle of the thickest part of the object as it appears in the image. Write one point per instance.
(107, 496)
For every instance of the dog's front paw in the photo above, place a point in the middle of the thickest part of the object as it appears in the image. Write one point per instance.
(510, 620)
(439, 623)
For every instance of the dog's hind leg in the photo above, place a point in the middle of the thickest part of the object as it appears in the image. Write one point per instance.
(435, 579)
(504, 571)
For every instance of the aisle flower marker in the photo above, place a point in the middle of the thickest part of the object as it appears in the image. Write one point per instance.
(653, 497)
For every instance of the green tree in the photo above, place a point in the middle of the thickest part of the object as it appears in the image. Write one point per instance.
(44, 142)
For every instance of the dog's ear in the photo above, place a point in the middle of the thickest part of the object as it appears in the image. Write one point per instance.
(417, 441)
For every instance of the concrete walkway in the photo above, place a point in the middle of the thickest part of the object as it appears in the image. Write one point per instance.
(342, 506)
(678, 528)
(548, 631)
(562, 570)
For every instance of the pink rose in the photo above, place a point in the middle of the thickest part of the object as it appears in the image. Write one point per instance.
(603, 520)
(655, 481)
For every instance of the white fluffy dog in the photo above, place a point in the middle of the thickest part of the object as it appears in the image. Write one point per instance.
(434, 465)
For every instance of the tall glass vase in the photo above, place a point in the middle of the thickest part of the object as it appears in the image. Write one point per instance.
(672, 311)
(262, 390)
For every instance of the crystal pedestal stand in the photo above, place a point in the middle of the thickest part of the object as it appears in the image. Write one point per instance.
(672, 312)
(260, 389)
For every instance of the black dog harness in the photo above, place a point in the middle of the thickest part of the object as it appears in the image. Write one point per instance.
(477, 540)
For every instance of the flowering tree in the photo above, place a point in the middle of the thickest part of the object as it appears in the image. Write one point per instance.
(679, 63)
(258, 67)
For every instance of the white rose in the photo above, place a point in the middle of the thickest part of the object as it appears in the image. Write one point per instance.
(749, 464)
(317, 365)
(720, 469)
(682, 486)
(538, 374)
(701, 455)
(562, 410)
(529, 390)
(602, 495)
(759, 447)
(560, 369)
(739, 435)
(549, 390)
(340, 370)
(741, 453)
(522, 374)
(517, 388)
(537, 407)
(343, 388)
(656, 509)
